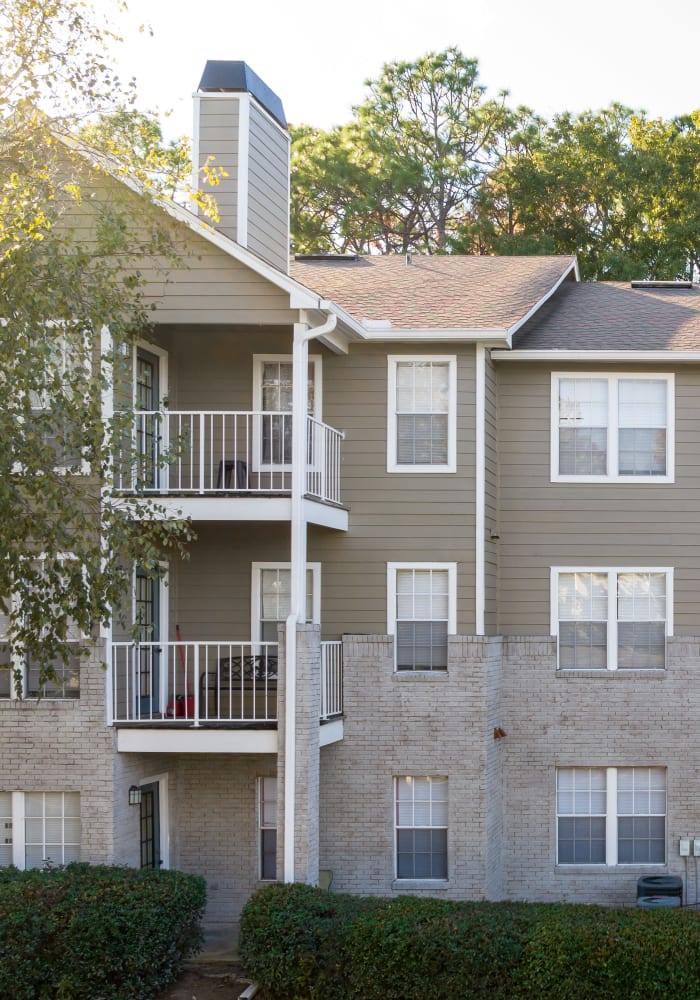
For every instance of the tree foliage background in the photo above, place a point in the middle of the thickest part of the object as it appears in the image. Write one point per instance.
(429, 164)
(71, 249)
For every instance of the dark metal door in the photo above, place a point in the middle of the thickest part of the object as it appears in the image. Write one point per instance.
(147, 401)
(150, 827)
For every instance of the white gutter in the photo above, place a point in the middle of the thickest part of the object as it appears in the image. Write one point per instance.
(494, 335)
(565, 356)
(300, 376)
(480, 475)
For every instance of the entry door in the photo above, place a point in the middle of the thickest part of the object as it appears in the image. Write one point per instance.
(148, 618)
(150, 826)
(147, 398)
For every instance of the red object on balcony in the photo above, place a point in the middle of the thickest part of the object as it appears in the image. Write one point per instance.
(182, 707)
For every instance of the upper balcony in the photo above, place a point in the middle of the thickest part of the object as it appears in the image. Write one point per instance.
(193, 460)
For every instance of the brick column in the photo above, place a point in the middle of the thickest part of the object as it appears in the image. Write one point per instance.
(308, 714)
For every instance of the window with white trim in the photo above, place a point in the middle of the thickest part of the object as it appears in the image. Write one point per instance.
(422, 414)
(421, 604)
(39, 828)
(267, 828)
(421, 827)
(272, 403)
(612, 619)
(271, 596)
(611, 815)
(66, 374)
(612, 428)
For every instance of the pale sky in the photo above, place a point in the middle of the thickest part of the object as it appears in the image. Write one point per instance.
(316, 54)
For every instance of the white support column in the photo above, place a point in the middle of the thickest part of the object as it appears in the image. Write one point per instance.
(480, 488)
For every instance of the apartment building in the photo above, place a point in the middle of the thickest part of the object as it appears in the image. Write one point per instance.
(437, 629)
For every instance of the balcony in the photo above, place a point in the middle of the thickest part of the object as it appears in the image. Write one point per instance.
(210, 685)
(236, 454)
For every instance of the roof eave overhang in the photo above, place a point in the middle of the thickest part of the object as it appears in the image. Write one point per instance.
(431, 335)
(570, 356)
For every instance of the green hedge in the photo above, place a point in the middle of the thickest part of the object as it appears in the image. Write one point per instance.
(301, 943)
(87, 933)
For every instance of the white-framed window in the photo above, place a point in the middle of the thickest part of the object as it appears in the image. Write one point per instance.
(611, 815)
(66, 372)
(420, 816)
(422, 414)
(39, 828)
(270, 598)
(272, 406)
(612, 428)
(16, 660)
(267, 828)
(611, 619)
(421, 603)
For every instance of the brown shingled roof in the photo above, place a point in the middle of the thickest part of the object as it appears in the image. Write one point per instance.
(612, 316)
(450, 292)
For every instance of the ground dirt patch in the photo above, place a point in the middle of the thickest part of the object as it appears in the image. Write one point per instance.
(207, 981)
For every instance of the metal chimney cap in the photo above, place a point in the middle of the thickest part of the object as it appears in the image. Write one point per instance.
(228, 76)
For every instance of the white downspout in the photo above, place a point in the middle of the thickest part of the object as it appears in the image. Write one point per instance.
(300, 374)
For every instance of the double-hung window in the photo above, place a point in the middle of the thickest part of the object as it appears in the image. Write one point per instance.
(611, 815)
(612, 619)
(37, 828)
(421, 604)
(64, 386)
(272, 405)
(421, 827)
(612, 428)
(267, 828)
(422, 414)
(271, 593)
(18, 661)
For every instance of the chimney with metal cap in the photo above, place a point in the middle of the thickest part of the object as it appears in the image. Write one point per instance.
(240, 122)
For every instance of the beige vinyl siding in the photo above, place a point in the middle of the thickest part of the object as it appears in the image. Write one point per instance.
(211, 368)
(208, 286)
(218, 137)
(268, 190)
(394, 517)
(606, 524)
(491, 505)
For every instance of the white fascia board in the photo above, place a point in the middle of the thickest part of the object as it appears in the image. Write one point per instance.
(566, 356)
(429, 336)
(196, 740)
(571, 269)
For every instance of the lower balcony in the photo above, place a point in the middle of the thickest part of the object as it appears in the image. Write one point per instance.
(219, 687)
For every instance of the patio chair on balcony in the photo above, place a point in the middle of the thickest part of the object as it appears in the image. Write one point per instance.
(233, 475)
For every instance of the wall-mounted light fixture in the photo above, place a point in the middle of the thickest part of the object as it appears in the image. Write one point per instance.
(134, 796)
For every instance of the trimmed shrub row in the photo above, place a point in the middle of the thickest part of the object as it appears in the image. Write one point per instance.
(87, 933)
(301, 943)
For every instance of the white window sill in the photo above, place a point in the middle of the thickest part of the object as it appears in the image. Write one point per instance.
(617, 480)
(422, 675)
(603, 673)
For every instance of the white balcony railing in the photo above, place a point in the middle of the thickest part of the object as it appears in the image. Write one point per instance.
(164, 683)
(331, 679)
(198, 683)
(216, 452)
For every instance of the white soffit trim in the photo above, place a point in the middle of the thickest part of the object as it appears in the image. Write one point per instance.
(565, 356)
(430, 336)
(571, 269)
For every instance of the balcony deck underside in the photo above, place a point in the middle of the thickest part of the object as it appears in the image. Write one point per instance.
(212, 738)
(232, 507)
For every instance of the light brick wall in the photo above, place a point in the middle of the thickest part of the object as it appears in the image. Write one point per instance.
(412, 724)
(65, 746)
(308, 714)
(592, 719)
